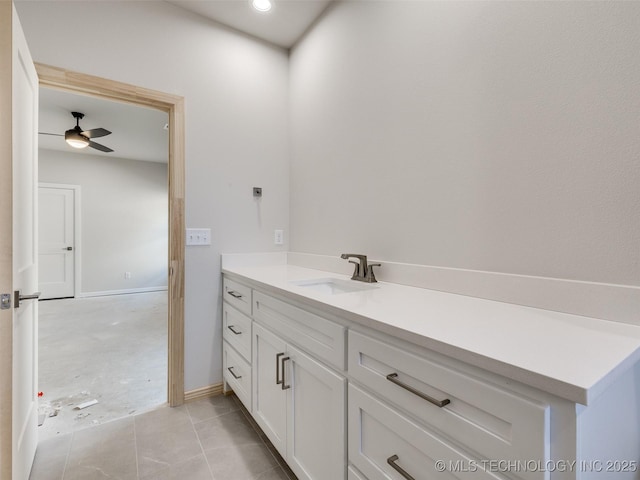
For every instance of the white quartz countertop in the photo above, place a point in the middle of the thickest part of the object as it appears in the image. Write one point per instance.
(569, 356)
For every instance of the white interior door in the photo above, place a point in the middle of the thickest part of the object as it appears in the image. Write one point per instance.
(18, 431)
(56, 241)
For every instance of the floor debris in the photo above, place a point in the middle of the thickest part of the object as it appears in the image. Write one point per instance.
(86, 404)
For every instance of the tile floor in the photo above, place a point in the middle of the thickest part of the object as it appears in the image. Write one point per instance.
(210, 439)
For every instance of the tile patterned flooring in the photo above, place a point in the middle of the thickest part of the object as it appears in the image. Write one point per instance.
(210, 439)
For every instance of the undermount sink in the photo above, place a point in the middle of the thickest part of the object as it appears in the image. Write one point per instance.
(333, 286)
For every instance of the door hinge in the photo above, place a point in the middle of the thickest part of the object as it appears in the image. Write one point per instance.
(5, 301)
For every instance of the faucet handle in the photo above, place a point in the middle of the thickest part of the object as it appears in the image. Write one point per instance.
(370, 275)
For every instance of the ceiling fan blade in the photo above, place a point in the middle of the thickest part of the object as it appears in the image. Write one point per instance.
(97, 146)
(54, 134)
(96, 132)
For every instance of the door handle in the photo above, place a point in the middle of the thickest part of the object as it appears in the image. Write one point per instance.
(17, 298)
(68, 248)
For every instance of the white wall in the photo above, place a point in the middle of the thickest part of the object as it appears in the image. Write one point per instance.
(497, 136)
(123, 218)
(235, 91)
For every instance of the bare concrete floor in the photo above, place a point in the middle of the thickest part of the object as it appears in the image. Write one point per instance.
(112, 349)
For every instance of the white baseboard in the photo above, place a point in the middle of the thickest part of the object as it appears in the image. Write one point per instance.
(203, 392)
(618, 303)
(121, 292)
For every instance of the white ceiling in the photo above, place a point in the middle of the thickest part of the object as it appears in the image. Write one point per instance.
(283, 25)
(137, 132)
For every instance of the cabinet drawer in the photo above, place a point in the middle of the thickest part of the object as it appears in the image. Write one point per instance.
(237, 295)
(237, 373)
(315, 335)
(494, 423)
(236, 329)
(380, 437)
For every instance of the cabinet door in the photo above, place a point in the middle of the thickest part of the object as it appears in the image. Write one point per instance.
(316, 433)
(269, 399)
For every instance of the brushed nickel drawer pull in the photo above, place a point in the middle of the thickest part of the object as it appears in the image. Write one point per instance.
(393, 377)
(235, 332)
(284, 386)
(278, 381)
(234, 294)
(237, 377)
(392, 461)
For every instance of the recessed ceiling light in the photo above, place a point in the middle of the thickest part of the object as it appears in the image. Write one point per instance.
(261, 5)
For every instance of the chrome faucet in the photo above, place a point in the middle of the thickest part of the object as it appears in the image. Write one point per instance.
(363, 272)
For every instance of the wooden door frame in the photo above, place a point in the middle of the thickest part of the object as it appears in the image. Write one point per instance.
(58, 78)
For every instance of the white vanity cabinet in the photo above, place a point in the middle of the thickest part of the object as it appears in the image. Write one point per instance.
(385, 444)
(300, 405)
(238, 295)
(236, 334)
(414, 411)
(288, 375)
(236, 352)
(344, 396)
(488, 421)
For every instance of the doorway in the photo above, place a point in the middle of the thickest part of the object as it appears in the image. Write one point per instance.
(106, 341)
(57, 78)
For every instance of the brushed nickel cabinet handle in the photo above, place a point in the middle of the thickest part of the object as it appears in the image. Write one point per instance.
(278, 381)
(284, 386)
(392, 461)
(393, 377)
(234, 294)
(237, 377)
(235, 332)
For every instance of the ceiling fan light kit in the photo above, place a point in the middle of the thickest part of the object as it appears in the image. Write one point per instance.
(76, 139)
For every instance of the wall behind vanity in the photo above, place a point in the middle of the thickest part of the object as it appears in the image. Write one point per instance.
(479, 135)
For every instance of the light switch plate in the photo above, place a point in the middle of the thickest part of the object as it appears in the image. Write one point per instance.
(198, 236)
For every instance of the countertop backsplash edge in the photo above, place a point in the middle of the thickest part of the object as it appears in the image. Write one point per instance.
(616, 303)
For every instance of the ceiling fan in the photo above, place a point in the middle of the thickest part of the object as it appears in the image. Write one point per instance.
(78, 138)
